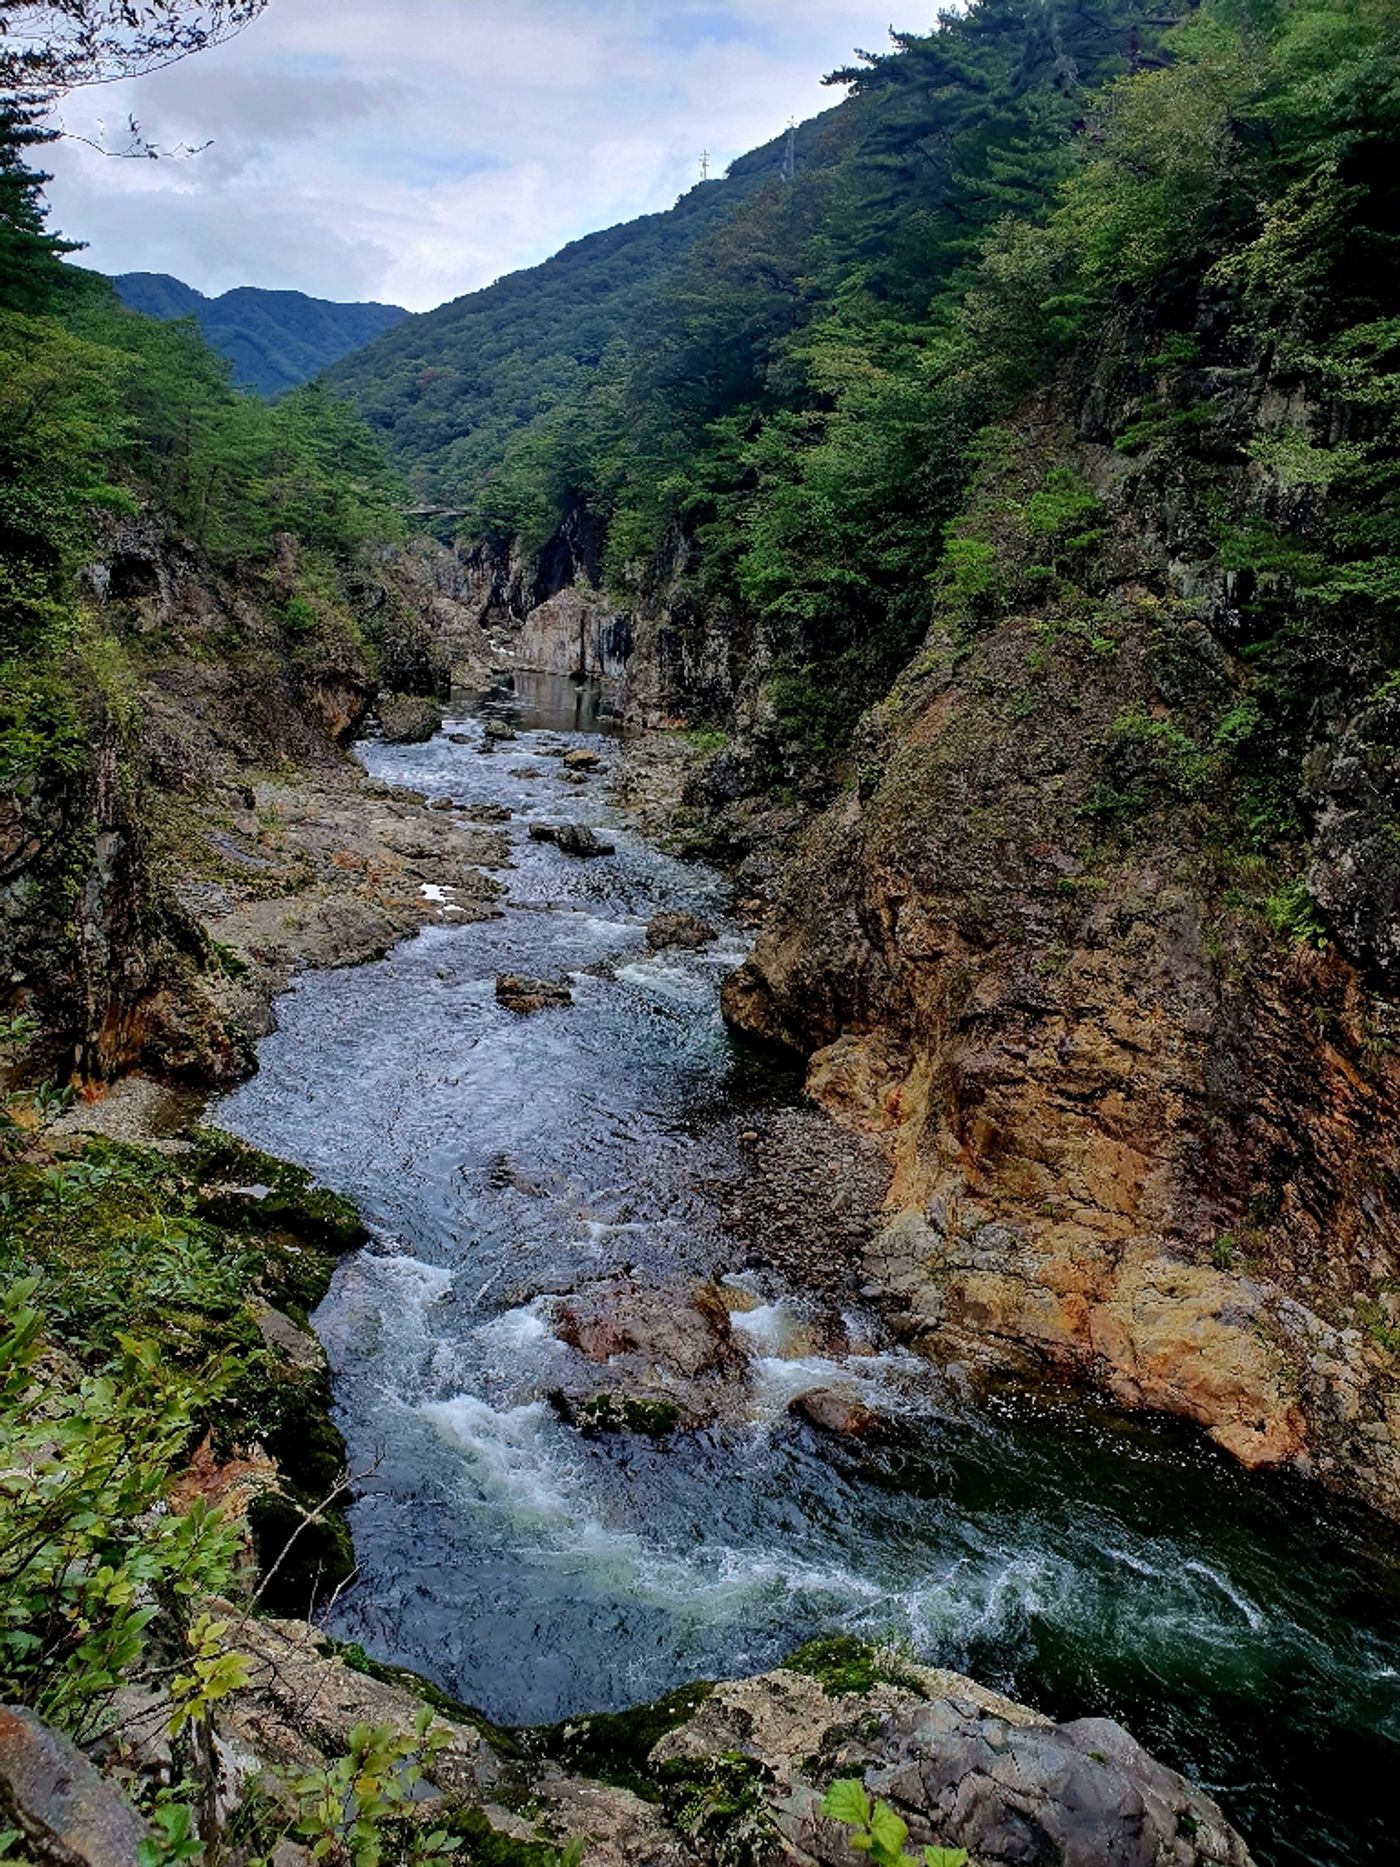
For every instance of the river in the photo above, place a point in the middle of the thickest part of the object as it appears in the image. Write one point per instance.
(1247, 1631)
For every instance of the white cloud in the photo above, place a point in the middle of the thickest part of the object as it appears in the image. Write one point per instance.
(409, 152)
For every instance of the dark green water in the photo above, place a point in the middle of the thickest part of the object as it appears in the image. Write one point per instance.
(1247, 1632)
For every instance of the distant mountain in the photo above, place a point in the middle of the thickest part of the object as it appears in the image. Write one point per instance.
(274, 340)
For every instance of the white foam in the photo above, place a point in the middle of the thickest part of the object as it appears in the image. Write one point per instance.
(506, 1457)
(1246, 1607)
(774, 1329)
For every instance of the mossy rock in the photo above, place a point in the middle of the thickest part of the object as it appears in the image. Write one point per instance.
(613, 1746)
(617, 1413)
(312, 1567)
(290, 1412)
(840, 1663)
(485, 1846)
(289, 1201)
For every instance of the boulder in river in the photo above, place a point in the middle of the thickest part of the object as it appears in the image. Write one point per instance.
(581, 759)
(576, 839)
(519, 993)
(544, 832)
(487, 813)
(830, 1410)
(498, 730)
(672, 1327)
(408, 719)
(962, 1766)
(674, 927)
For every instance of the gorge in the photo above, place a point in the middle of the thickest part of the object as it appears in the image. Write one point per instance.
(702, 1002)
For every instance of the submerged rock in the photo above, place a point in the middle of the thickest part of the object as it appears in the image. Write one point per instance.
(677, 928)
(408, 719)
(519, 993)
(617, 1413)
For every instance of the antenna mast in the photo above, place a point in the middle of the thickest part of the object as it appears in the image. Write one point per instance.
(790, 152)
(704, 165)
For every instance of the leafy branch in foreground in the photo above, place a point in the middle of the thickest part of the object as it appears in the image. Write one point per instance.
(877, 1831)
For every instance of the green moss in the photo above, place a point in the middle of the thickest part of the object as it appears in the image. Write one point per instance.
(614, 1746)
(841, 1663)
(291, 1200)
(485, 1846)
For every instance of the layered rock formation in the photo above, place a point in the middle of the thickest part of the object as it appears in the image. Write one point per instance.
(1134, 1134)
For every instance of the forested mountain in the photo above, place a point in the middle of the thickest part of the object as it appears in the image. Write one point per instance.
(274, 340)
(448, 389)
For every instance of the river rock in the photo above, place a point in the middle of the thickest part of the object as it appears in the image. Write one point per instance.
(831, 1410)
(544, 832)
(459, 739)
(674, 927)
(499, 731)
(962, 1765)
(1083, 1794)
(576, 839)
(408, 719)
(487, 813)
(521, 994)
(576, 777)
(675, 1328)
(581, 759)
(69, 1813)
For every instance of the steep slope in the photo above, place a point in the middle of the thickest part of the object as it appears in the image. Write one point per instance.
(448, 389)
(275, 340)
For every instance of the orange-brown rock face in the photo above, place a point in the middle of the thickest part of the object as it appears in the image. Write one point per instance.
(1134, 1134)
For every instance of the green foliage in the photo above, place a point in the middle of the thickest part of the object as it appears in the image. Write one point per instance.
(358, 1810)
(89, 1555)
(719, 1803)
(1291, 913)
(877, 1831)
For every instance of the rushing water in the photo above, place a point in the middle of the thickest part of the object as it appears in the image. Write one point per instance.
(1247, 1632)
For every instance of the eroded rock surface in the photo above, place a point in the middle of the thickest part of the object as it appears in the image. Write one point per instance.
(1132, 1135)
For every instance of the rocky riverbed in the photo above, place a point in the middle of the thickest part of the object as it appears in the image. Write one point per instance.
(631, 1398)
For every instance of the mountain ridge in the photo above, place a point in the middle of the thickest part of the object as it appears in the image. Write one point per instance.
(275, 340)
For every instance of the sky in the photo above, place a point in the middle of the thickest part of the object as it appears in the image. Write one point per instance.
(412, 150)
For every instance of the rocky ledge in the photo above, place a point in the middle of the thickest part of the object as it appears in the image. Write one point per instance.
(731, 1773)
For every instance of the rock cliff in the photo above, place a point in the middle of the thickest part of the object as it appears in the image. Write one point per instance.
(1137, 1090)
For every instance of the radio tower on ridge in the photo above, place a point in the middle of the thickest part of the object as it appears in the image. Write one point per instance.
(704, 165)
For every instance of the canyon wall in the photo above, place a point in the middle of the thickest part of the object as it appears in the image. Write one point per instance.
(1138, 1087)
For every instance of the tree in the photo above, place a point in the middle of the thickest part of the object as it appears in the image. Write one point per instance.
(29, 253)
(48, 47)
